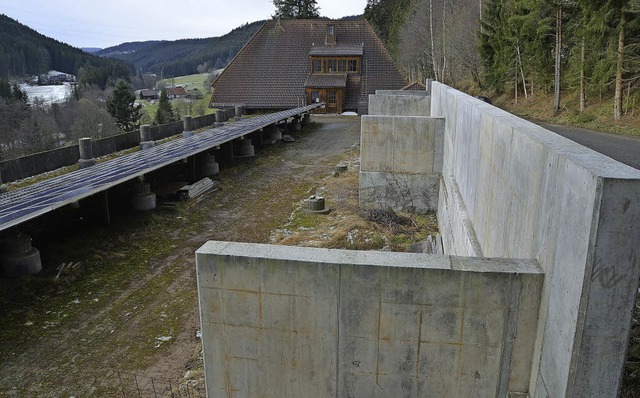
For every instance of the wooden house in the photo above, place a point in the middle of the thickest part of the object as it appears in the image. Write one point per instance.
(290, 63)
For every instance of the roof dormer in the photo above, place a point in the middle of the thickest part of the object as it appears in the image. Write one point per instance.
(331, 35)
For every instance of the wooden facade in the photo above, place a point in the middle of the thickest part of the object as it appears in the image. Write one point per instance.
(332, 97)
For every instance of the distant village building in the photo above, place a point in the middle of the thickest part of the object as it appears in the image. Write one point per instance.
(289, 63)
(176, 92)
(147, 94)
(54, 77)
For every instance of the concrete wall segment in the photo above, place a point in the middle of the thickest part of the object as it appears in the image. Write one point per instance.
(412, 325)
(531, 193)
(391, 103)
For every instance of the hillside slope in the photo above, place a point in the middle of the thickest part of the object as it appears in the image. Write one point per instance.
(24, 52)
(183, 57)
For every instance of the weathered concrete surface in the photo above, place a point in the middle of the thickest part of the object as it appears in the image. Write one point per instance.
(522, 191)
(283, 321)
(401, 160)
(403, 103)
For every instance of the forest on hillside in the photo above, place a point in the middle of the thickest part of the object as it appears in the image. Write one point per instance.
(518, 46)
(183, 57)
(25, 52)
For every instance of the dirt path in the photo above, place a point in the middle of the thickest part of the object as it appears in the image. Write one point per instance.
(123, 316)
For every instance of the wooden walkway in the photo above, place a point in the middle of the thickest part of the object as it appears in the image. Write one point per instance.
(32, 201)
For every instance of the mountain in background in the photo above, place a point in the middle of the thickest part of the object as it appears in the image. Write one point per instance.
(90, 50)
(183, 57)
(25, 52)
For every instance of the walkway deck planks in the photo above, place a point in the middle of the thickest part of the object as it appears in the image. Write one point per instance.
(32, 201)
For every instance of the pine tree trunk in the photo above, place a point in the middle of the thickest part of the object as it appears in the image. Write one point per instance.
(444, 40)
(582, 93)
(524, 83)
(617, 100)
(556, 97)
(434, 65)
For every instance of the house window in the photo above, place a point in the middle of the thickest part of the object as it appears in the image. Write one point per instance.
(316, 65)
(315, 96)
(332, 65)
(330, 30)
(353, 65)
(342, 65)
(331, 97)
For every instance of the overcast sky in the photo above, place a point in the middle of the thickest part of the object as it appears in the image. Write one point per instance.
(106, 23)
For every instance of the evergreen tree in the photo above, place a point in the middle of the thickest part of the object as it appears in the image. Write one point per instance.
(296, 9)
(20, 96)
(165, 112)
(121, 106)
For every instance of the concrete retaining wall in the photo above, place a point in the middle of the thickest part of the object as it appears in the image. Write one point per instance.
(283, 321)
(400, 103)
(401, 161)
(513, 189)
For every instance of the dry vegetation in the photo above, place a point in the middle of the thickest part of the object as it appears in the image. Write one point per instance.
(122, 313)
(348, 225)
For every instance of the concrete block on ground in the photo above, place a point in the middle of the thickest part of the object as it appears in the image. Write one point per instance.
(346, 323)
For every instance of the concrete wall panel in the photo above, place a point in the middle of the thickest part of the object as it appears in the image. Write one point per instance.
(406, 103)
(319, 322)
(538, 195)
(399, 162)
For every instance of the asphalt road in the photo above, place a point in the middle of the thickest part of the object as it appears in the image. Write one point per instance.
(622, 148)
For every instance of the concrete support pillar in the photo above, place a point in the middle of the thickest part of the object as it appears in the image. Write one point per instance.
(208, 165)
(275, 133)
(143, 199)
(220, 118)
(3, 187)
(239, 111)
(145, 137)
(187, 131)
(296, 125)
(225, 153)
(246, 148)
(17, 257)
(86, 152)
(306, 119)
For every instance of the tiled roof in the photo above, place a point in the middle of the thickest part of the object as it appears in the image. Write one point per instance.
(270, 72)
(326, 80)
(336, 49)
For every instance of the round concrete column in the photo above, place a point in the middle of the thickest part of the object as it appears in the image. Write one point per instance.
(295, 125)
(143, 199)
(86, 152)
(315, 204)
(239, 111)
(145, 137)
(17, 257)
(3, 187)
(275, 133)
(186, 131)
(220, 118)
(306, 119)
(208, 165)
(246, 148)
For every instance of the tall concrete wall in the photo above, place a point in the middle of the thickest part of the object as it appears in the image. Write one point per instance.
(515, 190)
(283, 321)
(399, 103)
(401, 161)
